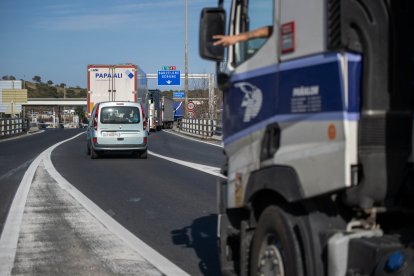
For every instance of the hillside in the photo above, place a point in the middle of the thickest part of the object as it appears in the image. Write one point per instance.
(43, 90)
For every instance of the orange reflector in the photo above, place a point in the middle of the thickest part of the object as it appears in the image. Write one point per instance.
(331, 132)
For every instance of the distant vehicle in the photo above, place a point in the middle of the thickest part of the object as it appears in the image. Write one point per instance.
(167, 114)
(117, 127)
(120, 82)
(154, 110)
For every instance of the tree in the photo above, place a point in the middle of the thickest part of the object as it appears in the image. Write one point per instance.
(63, 85)
(81, 113)
(49, 82)
(7, 77)
(37, 79)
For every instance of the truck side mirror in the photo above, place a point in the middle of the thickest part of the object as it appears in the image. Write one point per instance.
(212, 22)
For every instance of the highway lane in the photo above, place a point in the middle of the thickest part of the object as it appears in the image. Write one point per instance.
(183, 148)
(15, 157)
(170, 207)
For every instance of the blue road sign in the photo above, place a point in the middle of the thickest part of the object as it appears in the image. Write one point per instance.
(169, 77)
(178, 110)
(180, 95)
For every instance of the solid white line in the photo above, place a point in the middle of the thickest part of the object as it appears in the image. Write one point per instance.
(21, 136)
(148, 253)
(10, 234)
(204, 168)
(11, 230)
(193, 139)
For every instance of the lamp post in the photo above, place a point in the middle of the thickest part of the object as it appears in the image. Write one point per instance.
(186, 60)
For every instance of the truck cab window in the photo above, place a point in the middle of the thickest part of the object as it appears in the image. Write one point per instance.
(258, 13)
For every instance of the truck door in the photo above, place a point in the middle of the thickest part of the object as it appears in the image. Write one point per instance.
(111, 84)
(253, 66)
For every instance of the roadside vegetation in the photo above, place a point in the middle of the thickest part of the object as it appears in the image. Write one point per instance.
(36, 88)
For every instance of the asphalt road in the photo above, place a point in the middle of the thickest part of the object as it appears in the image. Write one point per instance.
(170, 207)
(16, 156)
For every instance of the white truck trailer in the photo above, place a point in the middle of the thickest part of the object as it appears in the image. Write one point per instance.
(318, 135)
(119, 82)
(154, 109)
(167, 114)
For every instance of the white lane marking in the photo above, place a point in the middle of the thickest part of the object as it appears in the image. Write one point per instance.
(59, 236)
(204, 168)
(22, 136)
(193, 139)
(13, 171)
(148, 253)
(9, 238)
(10, 234)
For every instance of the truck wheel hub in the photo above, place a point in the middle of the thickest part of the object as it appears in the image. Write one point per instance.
(270, 261)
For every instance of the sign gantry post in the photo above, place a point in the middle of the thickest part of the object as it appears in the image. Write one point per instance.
(172, 77)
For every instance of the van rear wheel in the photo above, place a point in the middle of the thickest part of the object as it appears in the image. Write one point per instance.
(94, 154)
(141, 154)
(144, 155)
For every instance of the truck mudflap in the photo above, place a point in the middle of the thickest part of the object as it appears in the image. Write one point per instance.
(234, 242)
(226, 242)
(370, 253)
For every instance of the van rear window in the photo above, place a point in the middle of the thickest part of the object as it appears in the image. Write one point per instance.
(120, 115)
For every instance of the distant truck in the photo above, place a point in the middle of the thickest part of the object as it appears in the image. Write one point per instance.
(167, 114)
(154, 110)
(119, 82)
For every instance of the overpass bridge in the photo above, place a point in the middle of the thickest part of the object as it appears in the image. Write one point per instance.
(55, 102)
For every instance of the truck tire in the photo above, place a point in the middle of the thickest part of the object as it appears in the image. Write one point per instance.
(275, 249)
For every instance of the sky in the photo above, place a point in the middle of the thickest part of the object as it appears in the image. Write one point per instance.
(57, 39)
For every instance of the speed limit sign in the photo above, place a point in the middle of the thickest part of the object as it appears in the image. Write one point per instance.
(190, 106)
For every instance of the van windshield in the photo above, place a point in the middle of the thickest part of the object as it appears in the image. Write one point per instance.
(120, 115)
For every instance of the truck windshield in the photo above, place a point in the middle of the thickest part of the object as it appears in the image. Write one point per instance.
(120, 115)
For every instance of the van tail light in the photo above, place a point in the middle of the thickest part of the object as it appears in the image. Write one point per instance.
(95, 119)
(145, 140)
(144, 120)
(95, 140)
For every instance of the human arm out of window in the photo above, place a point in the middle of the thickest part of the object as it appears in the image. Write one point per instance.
(226, 40)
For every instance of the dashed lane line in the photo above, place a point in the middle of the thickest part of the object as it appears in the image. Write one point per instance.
(203, 168)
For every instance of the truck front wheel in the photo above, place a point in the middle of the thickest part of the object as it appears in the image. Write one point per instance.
(275, 249)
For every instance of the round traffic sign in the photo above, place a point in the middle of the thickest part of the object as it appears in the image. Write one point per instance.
(190, 105)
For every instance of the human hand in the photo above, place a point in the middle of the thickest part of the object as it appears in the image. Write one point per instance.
(225, 40)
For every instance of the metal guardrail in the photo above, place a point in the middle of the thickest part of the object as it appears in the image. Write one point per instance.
(202, 127)
(13, 127)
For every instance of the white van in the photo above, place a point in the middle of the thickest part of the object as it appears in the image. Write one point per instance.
(117, 127)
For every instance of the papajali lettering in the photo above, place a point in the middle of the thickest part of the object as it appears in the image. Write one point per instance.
(108, 76)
